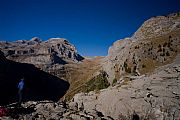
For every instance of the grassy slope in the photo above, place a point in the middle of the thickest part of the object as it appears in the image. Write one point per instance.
(79, 74)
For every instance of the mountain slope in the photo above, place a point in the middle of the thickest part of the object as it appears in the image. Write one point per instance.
(41, 53)
(156, 43)
(39, 85)
(144, 71)
(153, 96)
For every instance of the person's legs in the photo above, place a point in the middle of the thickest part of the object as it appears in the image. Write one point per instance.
(20, 96)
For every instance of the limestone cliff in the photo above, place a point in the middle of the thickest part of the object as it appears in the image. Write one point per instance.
(38, 52)
(158, 26)
(154, 44)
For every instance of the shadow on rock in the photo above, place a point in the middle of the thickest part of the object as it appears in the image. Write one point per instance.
(17, 111)
(39, 85)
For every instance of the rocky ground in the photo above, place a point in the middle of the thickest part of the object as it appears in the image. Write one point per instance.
(48, 110)
(150, 96)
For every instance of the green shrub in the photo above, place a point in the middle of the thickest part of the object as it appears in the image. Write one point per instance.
(159, 50)
(169, 44)
(167, 53)
(163, 50)
(128, 70)
(134, 69)
(162, 54)
(170, 37)
(114, 81)
(143, 66)
(165, 44)
(171, 49)
(97, 83)
(125, 65)
(136, 47)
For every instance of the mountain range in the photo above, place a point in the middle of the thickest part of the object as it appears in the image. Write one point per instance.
(139, 77)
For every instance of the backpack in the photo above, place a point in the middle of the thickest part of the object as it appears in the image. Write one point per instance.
(3, 111)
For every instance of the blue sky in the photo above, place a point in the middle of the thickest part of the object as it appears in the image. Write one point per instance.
(91, 25)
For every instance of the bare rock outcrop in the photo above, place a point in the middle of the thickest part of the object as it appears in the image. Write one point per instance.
(151, 96)
(158, 26)
(155, 43)
(43, 110)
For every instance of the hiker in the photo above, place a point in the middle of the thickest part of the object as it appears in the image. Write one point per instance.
(20, 91)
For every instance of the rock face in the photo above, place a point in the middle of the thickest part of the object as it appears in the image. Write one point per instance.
(155, 43)
(37, 52)
(158, 26)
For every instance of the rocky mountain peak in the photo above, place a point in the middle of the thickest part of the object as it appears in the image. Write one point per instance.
(38, 52)
(158, 26)
(118, 45)
(36, 39)
(57, 40)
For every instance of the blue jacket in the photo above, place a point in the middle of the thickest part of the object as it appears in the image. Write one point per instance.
(21, 85)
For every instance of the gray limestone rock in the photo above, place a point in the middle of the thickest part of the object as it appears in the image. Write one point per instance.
(38, 52)
(152, 96)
